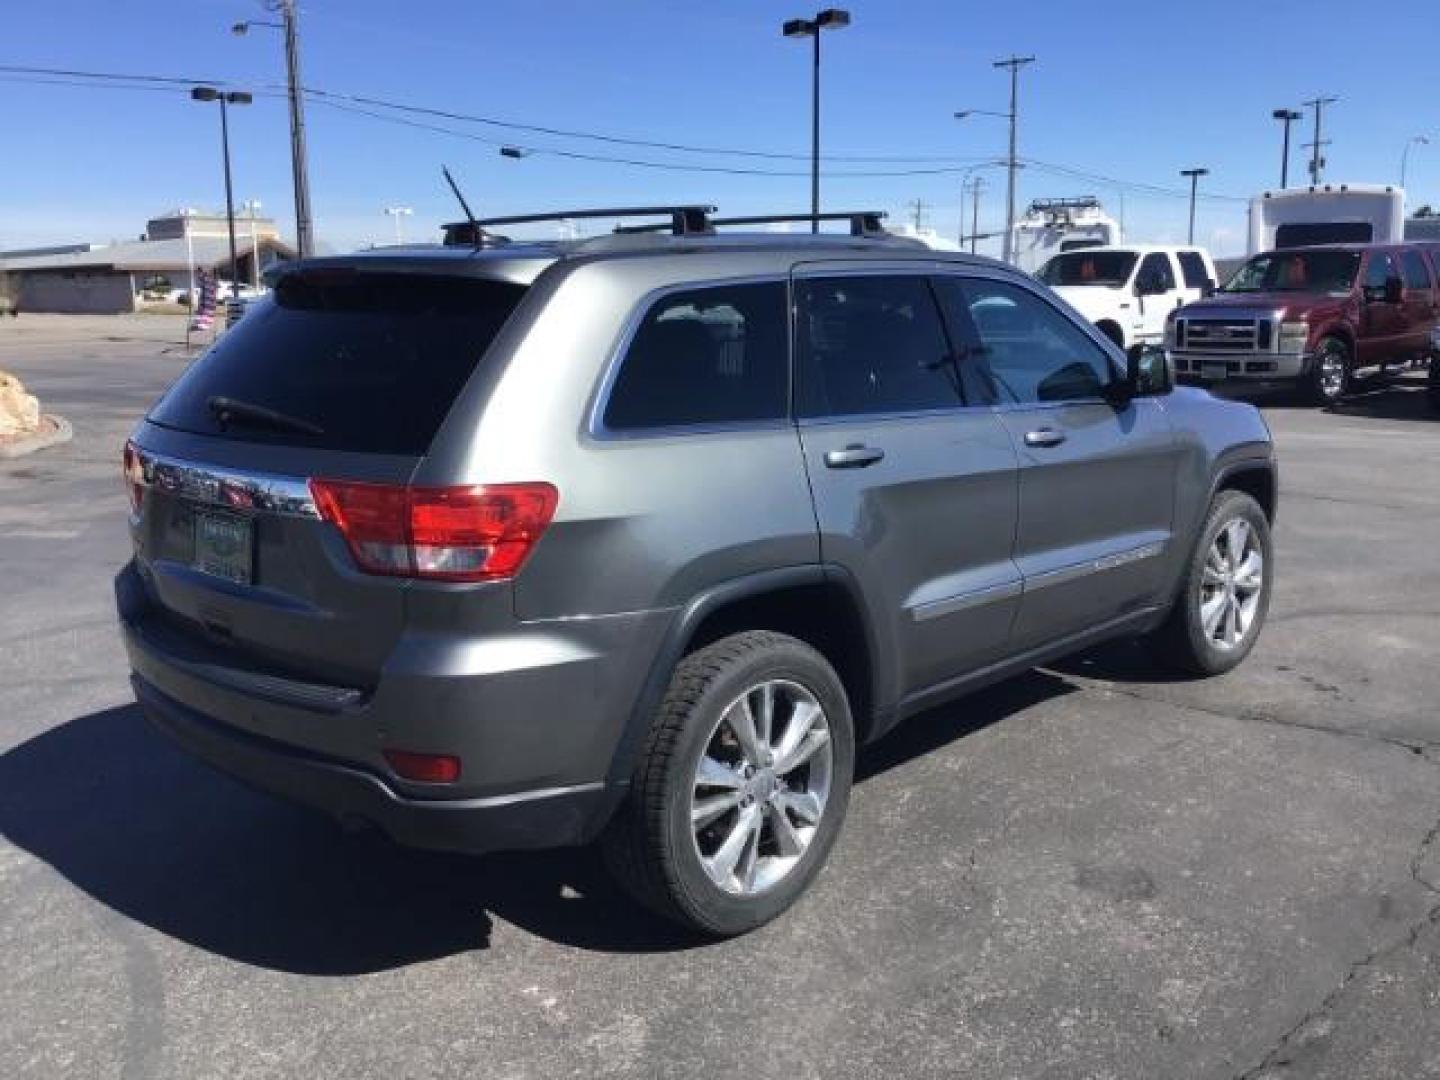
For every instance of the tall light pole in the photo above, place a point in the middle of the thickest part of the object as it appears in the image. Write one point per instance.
(232, 97)
(976, 183)
(1286, 117)
(399, 213)
(1014, 63)
(829, 19)
(299, 166)
(1194, 175)
(1317, 162)
(1405, 154)
(252, 207)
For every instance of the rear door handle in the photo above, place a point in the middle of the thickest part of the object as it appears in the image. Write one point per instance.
(854, 456)
(1045, 436)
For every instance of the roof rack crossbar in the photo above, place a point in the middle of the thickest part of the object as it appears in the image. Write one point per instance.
(862, 222)
(684, 220)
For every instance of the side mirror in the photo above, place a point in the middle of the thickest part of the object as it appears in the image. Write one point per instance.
(1149, 371)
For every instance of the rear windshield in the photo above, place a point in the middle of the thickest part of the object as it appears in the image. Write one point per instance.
(343, 360)
(1089, 268)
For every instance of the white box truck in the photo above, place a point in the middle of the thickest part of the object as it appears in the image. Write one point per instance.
(1327, 214)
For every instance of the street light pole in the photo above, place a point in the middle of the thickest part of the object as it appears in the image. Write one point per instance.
(1286, 117)
(1194, 175)
(252, 207)
(829, 19)
(1014, 63)
(976, 183)
(1405, 154)
(399, 213)
(226, 99)
(299, 164)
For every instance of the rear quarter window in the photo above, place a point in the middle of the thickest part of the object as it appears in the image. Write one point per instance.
(709, 355)
(368, 361)
(1193, 267)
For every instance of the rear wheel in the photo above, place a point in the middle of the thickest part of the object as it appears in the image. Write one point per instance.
(1330, 372)
(741, 788)
(1226, 592)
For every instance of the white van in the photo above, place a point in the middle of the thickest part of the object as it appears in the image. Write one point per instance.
(1128, 291)
(1327, 214)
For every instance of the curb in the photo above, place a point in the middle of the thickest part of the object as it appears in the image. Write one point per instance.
(62, 433)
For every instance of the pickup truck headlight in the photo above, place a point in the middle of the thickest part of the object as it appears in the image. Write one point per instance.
(1293, 336)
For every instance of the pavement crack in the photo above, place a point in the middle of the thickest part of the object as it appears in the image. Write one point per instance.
(1418, 747)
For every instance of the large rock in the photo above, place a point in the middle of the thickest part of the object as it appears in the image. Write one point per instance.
(19, 411)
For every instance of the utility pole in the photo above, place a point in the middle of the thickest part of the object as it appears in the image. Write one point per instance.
(976, 183)
(1317, 162)
(918, 206)
(1014, 63)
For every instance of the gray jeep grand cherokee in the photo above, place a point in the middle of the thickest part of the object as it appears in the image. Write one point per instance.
(637, 538)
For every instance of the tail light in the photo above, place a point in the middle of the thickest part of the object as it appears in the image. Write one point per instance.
(438, 533)
(134, 472)
(425, 768)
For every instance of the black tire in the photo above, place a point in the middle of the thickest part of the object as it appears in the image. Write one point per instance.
(1182, 643)
(1432, 384)
(650, 847)
(1321, 387)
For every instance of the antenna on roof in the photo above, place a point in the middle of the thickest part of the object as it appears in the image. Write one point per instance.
(476, 233)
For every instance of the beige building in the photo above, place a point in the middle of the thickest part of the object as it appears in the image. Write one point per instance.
(116, 277)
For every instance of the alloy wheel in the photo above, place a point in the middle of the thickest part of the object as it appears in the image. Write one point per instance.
(1231, 585)
(761, 786)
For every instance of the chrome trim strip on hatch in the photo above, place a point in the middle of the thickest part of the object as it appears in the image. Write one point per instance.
(233, 489)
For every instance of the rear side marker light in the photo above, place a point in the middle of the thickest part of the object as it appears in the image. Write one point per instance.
(438, 533)
(424, 768)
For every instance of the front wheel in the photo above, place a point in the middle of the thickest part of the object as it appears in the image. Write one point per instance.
(1226, 592)
(741, 788)
(1330, 372)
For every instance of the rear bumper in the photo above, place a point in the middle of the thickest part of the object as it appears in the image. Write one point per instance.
(531, 819)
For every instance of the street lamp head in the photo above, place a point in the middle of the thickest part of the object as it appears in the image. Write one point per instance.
(963, 113)
(1287, 114)
(832, 19)
(240, 29)
(239, 97)
(515, 152)
(204, 93)
(1194, 172)
(797, 28)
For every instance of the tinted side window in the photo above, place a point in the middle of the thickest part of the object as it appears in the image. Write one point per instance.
(1378, 269)
(1416, 276)
(1193, 267)
(705, 356)
(872, 345)
(1156, 267)
(1029, 351)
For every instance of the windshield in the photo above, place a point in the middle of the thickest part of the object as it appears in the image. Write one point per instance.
(1297, 271)
(1110, 268)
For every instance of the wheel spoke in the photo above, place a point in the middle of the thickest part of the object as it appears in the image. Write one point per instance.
(1211, 576)
(750, 856)
(805, 805)
(1237, 533)
(741, 721)
(787, 840)
(1211, 611)
(802, 719)
(717, 774)
(815, 738)
(1249, 575)
(764, 717)
(721, 866)
(1232, 621)
(705, 811)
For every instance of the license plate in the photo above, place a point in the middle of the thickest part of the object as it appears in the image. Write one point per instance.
(1215, 372)
(224, 546)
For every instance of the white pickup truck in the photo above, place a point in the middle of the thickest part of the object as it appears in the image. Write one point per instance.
(1127, 291)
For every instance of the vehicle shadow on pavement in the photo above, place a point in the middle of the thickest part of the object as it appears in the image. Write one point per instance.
(168, 842)
(1393, 401)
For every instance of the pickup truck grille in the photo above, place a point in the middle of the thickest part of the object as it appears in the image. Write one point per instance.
(1223, 335)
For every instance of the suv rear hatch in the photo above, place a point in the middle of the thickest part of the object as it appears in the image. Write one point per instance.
(344, 373)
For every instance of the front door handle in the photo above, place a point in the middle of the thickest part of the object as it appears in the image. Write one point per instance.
(853, 456)
(1045, 436)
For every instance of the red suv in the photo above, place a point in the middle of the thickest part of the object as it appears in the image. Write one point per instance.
(1315, 317)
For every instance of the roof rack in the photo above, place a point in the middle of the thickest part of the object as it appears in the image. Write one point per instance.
(862, 222)
(686, 220)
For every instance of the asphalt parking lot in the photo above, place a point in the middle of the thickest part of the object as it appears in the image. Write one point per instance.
(1083, 872)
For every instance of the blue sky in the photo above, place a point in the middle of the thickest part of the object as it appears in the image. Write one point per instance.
(1129, 90)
